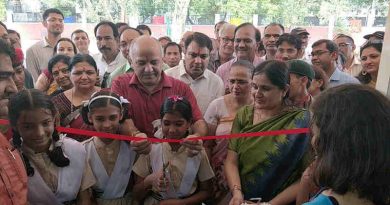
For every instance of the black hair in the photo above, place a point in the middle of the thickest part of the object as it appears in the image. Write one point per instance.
(131, 28)
(377, 45)
(47, 12)
(201, 39)
(78, 58)
(177, 104)
(172, 44)
(104, 102)
(165, 38)
(330, 45)
(261, 47)
(32, 99)
(120, 24)
(352, 145)
(275, 24)
(114, 29)
(320, 74)
(276, 71)
(290, 39)
(67, 40)
(144, 27)
(3, 25)
(56, 59)
(6, 49)
(10, 31)
(257, 32)
(78, 31)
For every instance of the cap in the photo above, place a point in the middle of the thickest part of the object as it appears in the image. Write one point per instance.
(299, 30)
(18, 58)
(300, 67)
(378, 34)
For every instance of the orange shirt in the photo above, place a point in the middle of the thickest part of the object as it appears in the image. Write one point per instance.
(13, 178)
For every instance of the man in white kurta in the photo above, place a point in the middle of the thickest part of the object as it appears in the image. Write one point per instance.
(205, 85)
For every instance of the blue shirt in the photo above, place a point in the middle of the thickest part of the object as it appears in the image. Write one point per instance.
(320, 200)
(338, 78)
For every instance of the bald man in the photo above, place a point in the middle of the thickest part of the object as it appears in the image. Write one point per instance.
(148, 86)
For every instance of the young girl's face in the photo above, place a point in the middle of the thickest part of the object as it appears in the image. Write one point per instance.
(36, 128)
(105, 119)
(174, 126)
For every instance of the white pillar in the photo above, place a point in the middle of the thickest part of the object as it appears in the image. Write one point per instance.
(217, 18)
(383, 80)
(255, 19)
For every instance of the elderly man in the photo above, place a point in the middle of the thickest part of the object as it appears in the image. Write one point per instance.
(39, 54)
(272, 32)
(323, 56)
(109, 58)
(13, 180)
(206, 85)
(304, 36)
(126, 37)
(226, 47)
(347, 47)
(246, 40)
(148, 86)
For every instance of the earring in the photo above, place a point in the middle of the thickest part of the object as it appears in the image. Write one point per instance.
(364, 72)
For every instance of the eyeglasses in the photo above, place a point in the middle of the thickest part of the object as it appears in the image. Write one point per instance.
(318, 53)
(239, 82)
(343, 45)
(245, 40)
(227, 40)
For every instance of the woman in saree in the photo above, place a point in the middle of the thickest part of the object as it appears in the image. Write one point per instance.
(83, 76)
(219, 117)
(267, 167)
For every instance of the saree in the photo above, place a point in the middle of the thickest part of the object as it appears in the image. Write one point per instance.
(70, 117)
(269, 164)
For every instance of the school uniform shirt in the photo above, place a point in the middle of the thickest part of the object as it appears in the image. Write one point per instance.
(108, 154)
(177, 163)
(49, 171)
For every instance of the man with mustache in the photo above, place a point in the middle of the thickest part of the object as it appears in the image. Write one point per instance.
(39, 54)
(109, 58)
(272, 32)
(13, 178)
(288, 47)
(246, 40)
(148, 86)
(205, 85)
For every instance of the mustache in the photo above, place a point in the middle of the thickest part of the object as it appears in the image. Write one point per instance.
(104, 48)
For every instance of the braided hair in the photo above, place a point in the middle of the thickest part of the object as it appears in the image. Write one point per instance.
(27, 100)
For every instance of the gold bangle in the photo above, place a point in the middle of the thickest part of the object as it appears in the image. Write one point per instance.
(236, 187)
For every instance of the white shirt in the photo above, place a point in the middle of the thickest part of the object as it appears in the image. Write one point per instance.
(103, 67)
(206, 87)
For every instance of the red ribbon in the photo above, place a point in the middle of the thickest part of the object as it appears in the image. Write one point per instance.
(152, 139)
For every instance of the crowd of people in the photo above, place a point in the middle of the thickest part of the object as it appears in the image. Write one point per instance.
(241, 81)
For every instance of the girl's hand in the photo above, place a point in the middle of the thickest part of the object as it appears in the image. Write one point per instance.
(171, 202)
(142, 146)
(193, 146)
(159, 183)
(237, 198)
